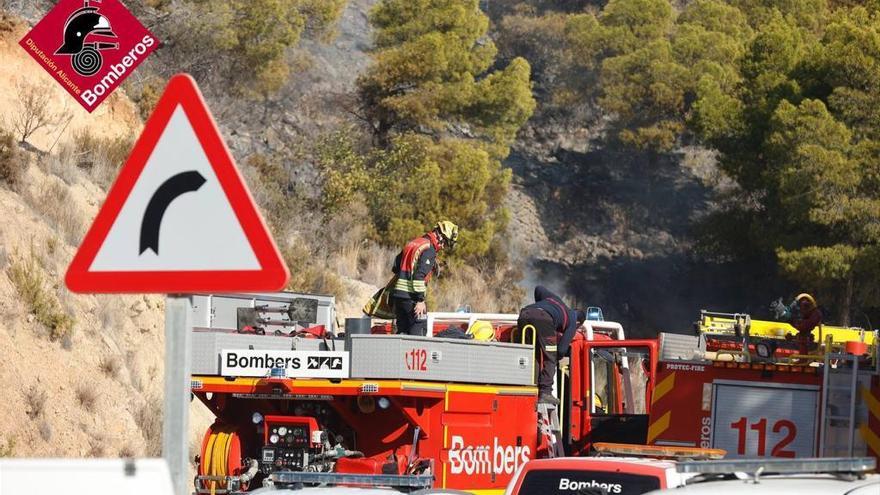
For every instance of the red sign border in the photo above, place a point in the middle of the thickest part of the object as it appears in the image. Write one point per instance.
(273, 274)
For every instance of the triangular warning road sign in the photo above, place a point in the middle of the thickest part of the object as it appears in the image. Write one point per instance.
(179, 217)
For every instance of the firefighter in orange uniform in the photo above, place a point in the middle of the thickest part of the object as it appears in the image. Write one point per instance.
(413, 268)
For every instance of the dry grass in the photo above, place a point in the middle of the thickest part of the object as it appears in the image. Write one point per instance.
(98, 445)
(35, 400)
(308, 273)
(101, 157)
(375, 264)
(61, 164)
(13, 163)
(7, 448)
(29, 281)
(55, 203)
(148, 418)
(346, 262)
(128, 451)
(51, 245)
(485, 291)
(87, 396)
(110, 366)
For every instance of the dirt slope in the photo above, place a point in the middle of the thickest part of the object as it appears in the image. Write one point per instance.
(96, 391)
(92, 392)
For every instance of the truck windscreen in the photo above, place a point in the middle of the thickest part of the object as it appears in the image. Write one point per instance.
(575, 482)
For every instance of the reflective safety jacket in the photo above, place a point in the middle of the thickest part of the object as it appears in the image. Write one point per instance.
(414, 266)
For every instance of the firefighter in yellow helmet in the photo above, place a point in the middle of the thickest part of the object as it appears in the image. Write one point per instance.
(413, 268)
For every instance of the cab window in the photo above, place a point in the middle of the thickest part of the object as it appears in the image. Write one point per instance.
(619, 379)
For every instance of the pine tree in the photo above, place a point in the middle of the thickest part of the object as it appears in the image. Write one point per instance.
(441, 122)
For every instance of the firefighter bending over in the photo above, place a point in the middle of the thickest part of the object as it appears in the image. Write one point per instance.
(413, 268)
(555, 325)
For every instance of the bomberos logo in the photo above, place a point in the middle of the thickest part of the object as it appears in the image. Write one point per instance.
(486, 459)
(89, 47)
(566, 484)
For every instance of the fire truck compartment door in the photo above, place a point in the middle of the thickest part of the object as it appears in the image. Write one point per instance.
(755, 419)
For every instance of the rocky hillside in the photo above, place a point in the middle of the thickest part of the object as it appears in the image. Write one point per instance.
(588, 220)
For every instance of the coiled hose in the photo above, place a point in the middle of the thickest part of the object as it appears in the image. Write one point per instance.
(216, 456)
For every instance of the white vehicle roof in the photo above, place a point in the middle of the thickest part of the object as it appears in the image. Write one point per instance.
(95, 476)
(802, 484)
(614, 464)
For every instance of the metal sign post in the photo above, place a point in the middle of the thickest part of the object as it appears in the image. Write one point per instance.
(175, 432)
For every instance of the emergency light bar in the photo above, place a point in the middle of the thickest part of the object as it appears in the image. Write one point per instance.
(780, 466)
(657, 451)
(391, 480)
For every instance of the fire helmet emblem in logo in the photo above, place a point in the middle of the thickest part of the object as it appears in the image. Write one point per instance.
(81, 27)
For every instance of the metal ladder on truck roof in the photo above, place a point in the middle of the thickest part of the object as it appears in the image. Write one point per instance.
(840, 400)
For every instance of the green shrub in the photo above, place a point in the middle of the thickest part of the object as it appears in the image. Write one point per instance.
(27, 277)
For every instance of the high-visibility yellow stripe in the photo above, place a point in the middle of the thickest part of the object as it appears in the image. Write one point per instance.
(663, 388)
(407, 285)
(872, 402)
(489, 389)
(659, 426)
(871, 438)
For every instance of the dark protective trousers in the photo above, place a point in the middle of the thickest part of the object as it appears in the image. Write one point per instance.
(545, 348)
(404, 310)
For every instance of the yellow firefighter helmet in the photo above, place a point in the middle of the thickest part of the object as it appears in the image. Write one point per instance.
(449, 232)
(482, 330)
(807, 297)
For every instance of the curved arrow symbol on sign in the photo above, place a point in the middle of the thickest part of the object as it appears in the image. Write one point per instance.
(181, 183)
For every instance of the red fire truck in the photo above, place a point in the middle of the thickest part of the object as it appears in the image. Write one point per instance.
(755, 397)
(402, 411)
(305, 408)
